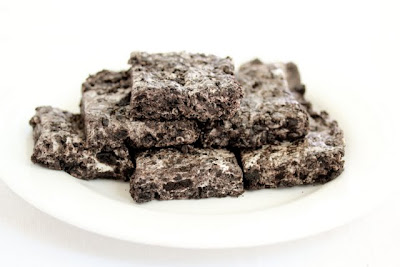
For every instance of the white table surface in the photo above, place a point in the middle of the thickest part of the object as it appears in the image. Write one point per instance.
(31, 238)
(37, 31)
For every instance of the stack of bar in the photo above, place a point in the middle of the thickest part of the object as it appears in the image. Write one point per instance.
(184, 126)
(268, 113)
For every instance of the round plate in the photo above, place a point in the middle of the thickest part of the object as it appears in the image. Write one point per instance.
(256, 218)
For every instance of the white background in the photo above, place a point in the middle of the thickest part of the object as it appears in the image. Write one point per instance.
(37, 36)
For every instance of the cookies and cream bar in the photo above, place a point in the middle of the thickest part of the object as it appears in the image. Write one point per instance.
(317, 158)
(59, 144)
(185, 173)
(173, 86)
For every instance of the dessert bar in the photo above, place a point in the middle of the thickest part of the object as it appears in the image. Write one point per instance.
(185, 173)
(317, 158)
(60, 145)
(172, 86)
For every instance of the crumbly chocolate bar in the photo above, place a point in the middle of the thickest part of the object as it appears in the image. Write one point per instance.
(105, 108)
(268, 112)
(172, 86)
(60, 144)
(318, 158)
(171, 173)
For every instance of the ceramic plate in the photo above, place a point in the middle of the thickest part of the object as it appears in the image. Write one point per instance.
(256, 218)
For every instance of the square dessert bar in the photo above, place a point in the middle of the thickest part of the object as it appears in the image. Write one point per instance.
(60, 145)
(318, 158)
(268, 112)
(171, 173)
(105, 109)
(181, 85)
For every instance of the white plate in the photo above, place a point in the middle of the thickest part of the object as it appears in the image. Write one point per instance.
(256, 218)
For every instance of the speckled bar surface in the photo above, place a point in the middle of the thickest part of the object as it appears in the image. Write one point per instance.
(318, 158)
(185, 174)
(105, 108)
(268, 113)
(172, 86)
(60, 145)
